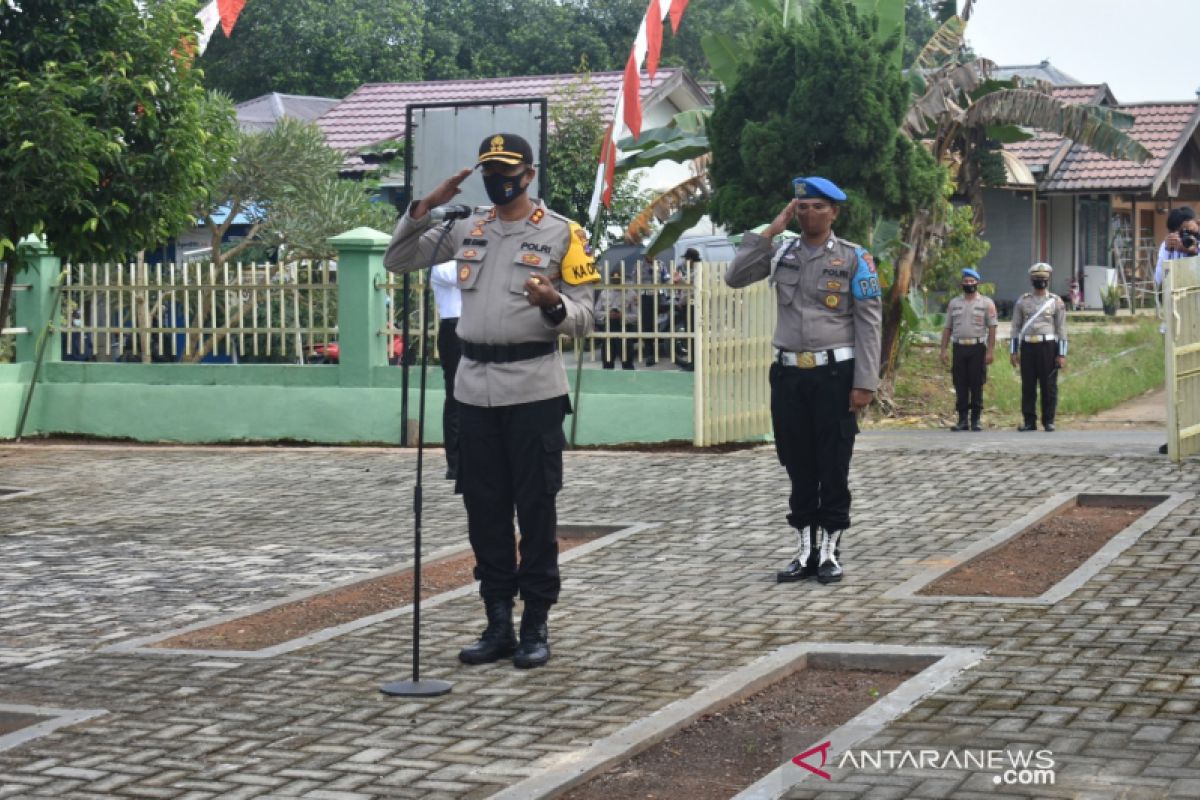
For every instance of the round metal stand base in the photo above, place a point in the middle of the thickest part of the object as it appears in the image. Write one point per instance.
(416, 688)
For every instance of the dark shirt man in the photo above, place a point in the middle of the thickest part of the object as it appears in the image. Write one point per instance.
(826, 369)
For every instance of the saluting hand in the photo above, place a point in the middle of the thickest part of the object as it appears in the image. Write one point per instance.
(860, 399)
(780, 223)
(443, 193)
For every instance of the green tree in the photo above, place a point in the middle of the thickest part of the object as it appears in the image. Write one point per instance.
(817, 98)
(270, 169)
(107, 138)
(316, 47)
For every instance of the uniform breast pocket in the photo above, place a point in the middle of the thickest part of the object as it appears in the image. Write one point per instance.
(529, 263)
(470, 262)
(834, 294)
(787, 283)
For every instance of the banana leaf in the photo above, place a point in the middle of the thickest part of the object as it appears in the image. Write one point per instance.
(679, 223)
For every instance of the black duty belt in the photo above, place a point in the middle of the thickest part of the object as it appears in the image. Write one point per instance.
(506, 353)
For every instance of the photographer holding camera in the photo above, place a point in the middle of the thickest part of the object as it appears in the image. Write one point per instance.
(1183, 240)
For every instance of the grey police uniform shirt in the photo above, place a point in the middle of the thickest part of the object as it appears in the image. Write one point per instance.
(817, 307)
(1051, 321)
(971, 319)
(494, 259)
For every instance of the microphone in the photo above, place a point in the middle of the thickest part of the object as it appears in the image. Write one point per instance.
(450, 212)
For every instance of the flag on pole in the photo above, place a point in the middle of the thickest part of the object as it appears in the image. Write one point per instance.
(222, 12)
(627, 112)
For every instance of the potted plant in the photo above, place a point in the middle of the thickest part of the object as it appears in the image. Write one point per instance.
(1110, 298)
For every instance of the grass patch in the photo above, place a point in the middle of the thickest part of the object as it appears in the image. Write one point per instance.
(1106, 366)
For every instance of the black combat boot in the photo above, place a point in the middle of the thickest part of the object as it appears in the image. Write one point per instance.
(534, 648)
(804, 565)
(1029, 425)
(497, 640)
(962, 423)
(975, 424)
(829, 571)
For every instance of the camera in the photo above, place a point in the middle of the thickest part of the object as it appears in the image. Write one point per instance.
(1187, 239)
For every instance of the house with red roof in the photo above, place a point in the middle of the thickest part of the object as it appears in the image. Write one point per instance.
(1076, 209)
(374, 114)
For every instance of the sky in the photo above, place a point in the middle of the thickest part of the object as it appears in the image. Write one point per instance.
(1124, 43)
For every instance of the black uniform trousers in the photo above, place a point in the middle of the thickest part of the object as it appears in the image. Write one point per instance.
(814, 438)
(626, 349)
(512, 456)
(1039, 370)
(969, 372)
(449, 351)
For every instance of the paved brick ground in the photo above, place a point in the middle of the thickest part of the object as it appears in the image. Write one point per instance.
(127, 542)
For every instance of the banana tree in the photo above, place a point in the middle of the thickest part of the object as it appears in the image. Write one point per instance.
(963, 115)
(680, 207)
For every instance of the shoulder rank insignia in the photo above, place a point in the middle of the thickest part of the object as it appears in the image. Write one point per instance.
(865, 283)
(531, 259)
(537, 215)
(577, 265)
(464, 272)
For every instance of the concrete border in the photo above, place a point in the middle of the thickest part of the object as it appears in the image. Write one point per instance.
(939, 666)
(57, 718)
(1083, 573)
(142, 645)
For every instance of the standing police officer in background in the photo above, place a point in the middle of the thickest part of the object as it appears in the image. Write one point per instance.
(524, 273)
(826, 368)
(971, 322)
(1039, 347)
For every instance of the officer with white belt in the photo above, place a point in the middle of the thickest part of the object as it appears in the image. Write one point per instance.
(1039, 347)
(827, 351)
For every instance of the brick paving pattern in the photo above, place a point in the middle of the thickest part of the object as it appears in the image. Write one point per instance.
(128, 542)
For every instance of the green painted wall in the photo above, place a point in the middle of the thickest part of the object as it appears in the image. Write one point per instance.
(240, 403)
(13, 379)
(357, 400)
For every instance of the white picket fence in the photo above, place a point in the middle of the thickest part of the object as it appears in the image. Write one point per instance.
(1183, 358)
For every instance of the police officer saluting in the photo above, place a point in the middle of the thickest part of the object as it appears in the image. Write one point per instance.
(524, 272)
(971, 322)
(1039, 347)
(827, 342)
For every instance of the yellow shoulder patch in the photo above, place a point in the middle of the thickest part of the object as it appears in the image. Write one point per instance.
(578, 266)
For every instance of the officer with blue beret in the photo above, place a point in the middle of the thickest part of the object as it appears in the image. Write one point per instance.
(826, 370)
(971, 321)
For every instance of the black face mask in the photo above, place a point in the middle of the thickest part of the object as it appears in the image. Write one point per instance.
(970, 288)
(1040, 283)
(503, 189)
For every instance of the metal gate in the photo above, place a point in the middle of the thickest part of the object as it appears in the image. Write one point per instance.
(733, 358)
(1183, 358)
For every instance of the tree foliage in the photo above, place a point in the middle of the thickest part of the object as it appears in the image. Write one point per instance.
(325, 48)
(107, 137)
(818, 98)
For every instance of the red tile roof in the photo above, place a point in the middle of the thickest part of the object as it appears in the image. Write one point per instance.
(375, 111)
(1158, 126)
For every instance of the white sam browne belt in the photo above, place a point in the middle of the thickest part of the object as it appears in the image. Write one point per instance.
(809, 360)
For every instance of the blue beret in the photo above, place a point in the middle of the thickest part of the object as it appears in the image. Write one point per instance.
(818, 187)
(970, 273)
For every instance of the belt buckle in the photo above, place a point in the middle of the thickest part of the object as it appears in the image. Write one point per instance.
(1035, 339)
(806, 360)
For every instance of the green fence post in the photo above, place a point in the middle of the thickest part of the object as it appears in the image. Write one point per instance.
(32, 309)
(362, 310)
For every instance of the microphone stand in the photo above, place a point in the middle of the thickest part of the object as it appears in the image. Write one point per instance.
(417, 687)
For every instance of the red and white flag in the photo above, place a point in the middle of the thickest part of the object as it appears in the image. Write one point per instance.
(223, 12)
(627, 113)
